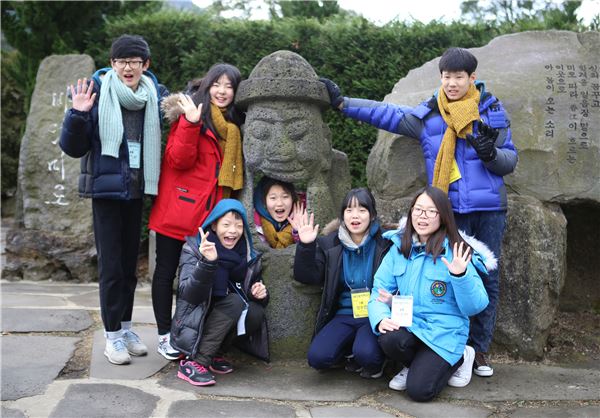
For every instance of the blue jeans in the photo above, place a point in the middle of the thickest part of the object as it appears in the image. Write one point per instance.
(334, 340)
(487, 227)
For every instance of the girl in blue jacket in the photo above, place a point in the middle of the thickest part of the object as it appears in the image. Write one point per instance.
(437, 277)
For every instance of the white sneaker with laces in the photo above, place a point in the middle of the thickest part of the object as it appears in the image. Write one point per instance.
(399, 381)
(462, 376)
(116, 351)
(165, 349)
(134, 345)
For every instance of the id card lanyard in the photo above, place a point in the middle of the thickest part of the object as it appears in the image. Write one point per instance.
(360, 300)
(135, 152)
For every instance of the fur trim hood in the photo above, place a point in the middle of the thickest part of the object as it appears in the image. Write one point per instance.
(170, 107)
(488, 258)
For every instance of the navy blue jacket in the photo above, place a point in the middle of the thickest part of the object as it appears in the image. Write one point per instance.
(101, 176)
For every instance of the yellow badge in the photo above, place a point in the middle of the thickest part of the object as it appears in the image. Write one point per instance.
(360, 300)
(454, 172)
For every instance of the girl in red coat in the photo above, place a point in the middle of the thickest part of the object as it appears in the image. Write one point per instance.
(202, 164)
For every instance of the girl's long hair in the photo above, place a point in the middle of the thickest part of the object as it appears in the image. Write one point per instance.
(199, 89)
(448, 228)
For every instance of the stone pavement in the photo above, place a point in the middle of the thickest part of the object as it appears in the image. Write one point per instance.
(52, 366)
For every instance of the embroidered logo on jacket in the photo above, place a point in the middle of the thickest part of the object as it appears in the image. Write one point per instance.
(438, 289)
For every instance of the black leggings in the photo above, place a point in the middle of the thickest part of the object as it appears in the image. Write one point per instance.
(429, 373)
(168, 251)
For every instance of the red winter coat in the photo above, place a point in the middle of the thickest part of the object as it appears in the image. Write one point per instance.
(187, 188)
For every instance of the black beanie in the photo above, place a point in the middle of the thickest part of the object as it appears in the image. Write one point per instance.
(128, 46)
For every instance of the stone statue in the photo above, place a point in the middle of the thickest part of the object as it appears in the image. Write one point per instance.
(285, 137)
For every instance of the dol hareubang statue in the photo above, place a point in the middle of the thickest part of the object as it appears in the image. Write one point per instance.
(284, 135)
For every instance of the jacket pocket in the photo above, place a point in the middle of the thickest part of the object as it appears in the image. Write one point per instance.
(185, 210)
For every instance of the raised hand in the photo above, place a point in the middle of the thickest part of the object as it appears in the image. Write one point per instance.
(307, 231)
(485, 142)
(335, 95)
(82, 96)
(192, 112)
(460, 259)
(295, 215)
(207, 248)
(258, 290)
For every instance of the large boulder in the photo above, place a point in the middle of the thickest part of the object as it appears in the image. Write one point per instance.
(551, 90)
(534, 265)
(54, 238)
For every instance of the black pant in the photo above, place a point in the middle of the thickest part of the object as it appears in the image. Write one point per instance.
(168, 251)
(429, 373)
(220, 326)
(117, 227)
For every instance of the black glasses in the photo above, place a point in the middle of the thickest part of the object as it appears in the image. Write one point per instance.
(134, 65)
(429, 213)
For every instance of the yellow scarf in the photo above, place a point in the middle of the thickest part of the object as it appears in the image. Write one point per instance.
(459, 116)
(281, 239)
(231, 175)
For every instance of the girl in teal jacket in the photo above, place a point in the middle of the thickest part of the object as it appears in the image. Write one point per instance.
(437, 273)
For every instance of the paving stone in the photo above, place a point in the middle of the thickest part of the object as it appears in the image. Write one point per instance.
(284, 381)
(11, 413)
(16, 300)
(531, 382)
(30, 363)
(435, 408)
(44, 320)
(46, 287)
(347, 412)
(104, 400)
(230, 409)
(139, 368)
(560, 412)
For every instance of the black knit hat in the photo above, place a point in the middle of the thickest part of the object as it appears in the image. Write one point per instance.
(127, 46)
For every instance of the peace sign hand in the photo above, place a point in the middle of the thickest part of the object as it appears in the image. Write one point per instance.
(82, 96)
(192, 112)
(307, 230)
(207, 248)
(460, 260)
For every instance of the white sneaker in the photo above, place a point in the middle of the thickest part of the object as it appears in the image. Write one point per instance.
(134, 345)
(399, 381)
(116, 351)
(462, 376)
(165, 349)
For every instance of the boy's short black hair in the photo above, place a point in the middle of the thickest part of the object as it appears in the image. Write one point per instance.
(458, 59)
(127, 46)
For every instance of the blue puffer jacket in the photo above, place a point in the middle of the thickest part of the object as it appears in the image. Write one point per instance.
(101, 176)
(481, 187)
(442, 303)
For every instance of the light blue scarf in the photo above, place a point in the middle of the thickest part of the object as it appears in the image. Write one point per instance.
(114, 94)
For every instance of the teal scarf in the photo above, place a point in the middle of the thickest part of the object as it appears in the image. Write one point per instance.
(114, 94)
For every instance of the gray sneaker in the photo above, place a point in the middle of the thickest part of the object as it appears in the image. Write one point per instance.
(134, 345)
(116, 351)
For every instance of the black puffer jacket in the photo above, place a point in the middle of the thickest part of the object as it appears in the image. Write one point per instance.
(320, 262)
(196, 276)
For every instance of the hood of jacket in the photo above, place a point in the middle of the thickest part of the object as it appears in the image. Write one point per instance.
(170, 107)
(487, 257)
(224, 206)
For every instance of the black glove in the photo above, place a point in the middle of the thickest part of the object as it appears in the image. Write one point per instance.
(335, 95)
(485, 142)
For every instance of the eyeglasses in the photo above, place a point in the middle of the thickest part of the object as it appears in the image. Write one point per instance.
(134, 65)
(429, 213)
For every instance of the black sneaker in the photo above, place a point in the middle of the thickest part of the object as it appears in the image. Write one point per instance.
(481, 365)
(352, 366)
(369, 373)
(220, 366)
(195, 373)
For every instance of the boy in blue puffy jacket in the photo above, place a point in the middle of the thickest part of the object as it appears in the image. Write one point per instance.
(114, 127)
(465, 136)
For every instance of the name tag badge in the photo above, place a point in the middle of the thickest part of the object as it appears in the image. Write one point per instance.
(454, 172)
(135, 151)
(360, 301)
(241, 325)
(402, 310)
